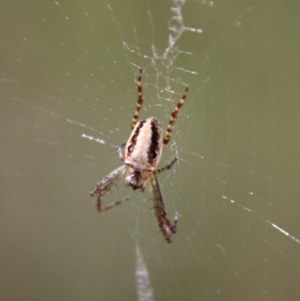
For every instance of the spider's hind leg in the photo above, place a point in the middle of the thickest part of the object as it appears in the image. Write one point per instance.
(139, 101)
(174, 116)
(121, 150)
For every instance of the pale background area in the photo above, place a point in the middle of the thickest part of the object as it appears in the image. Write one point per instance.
(68, 77)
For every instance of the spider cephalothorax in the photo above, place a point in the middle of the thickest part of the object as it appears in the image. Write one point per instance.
(135, 179)
(143, 152)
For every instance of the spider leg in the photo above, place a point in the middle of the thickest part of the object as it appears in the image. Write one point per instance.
(172, 228)
(167, 167)
(120, 151)
(139, 101)
(105, 185)
(166, 227)
(174, 116)
(111, 205)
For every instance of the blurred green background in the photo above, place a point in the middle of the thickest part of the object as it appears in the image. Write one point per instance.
(68, 77)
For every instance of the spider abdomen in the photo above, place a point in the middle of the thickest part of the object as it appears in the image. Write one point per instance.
(145, 145)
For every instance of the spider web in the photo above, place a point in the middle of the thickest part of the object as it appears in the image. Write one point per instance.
(68, 93)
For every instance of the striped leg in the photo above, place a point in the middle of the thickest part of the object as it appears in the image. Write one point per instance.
(174, 116)
(167, 167)
(139, 101)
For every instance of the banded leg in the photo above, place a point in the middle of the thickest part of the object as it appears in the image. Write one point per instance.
(105, 186)
(167, 167)
(166, 227)
(174, 116)
(121, 150)
(139, 101)
(111, 205)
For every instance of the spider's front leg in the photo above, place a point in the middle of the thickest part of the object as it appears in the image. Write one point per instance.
(166, 227)
(105, 185)
(171, 228)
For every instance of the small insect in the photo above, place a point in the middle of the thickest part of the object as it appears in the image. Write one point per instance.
(143, 152)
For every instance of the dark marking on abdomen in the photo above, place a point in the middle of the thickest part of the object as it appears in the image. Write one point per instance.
(154, 147)
(135, 136)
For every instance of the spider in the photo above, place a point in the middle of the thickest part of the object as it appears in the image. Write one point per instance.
(143, 152)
